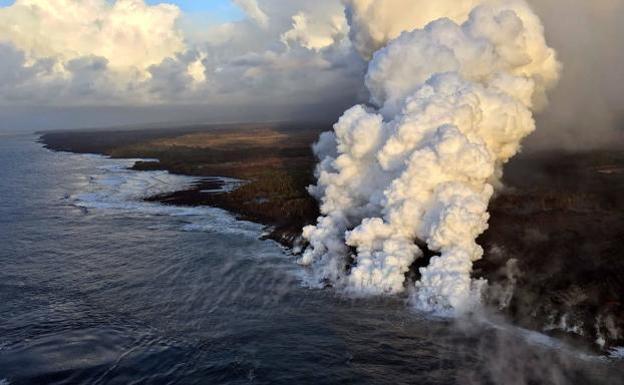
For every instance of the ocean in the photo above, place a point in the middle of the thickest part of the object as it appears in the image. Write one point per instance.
(99, 287)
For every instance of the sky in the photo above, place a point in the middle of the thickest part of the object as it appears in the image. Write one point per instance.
(219, 10)
(69, 64)
(195, 59)
(223, 10)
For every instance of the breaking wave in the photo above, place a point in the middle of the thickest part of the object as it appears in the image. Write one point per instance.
(113, 188)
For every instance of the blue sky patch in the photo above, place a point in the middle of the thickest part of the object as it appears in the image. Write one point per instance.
(219, 10)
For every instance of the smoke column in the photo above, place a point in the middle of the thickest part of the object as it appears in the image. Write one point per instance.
(453, 99)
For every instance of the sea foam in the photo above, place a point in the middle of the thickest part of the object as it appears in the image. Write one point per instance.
(111, 187)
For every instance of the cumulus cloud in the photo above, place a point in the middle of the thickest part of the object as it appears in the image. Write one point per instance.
(127, 33)
(140, 54)
(127, 52)
(15, 74)
(254, 11)
(315, 31)
(86, 52)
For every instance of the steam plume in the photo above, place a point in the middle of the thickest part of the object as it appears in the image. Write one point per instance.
(452, 104)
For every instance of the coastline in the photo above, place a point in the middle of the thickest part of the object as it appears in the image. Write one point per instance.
(286, 234)
(552, 243)
(276, 167)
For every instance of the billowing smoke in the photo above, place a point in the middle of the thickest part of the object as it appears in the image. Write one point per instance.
(453, 100)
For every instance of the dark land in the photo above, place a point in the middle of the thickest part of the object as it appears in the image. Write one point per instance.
(553, 253)
(275, 159)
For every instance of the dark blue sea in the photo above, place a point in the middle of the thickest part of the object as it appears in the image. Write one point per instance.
(98, 287)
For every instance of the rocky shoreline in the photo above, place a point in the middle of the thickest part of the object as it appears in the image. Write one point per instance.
(553, 253)
(286, 234)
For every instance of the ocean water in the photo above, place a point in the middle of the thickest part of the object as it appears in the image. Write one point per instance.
(98, 287)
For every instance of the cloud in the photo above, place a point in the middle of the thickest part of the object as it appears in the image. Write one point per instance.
(127, 33)
(317, 28)
(375, 22)
(253, 10)
(127, 52)
(23, 80)
(285, 52)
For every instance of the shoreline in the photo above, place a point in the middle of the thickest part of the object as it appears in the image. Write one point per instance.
(276, 164)
(551, 242)
(284, 234)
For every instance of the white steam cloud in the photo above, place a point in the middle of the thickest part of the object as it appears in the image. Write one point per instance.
(375, 22)
(454, 99)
